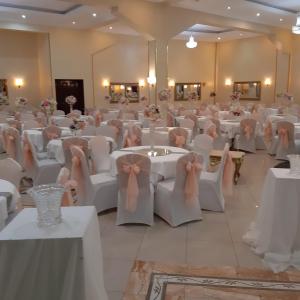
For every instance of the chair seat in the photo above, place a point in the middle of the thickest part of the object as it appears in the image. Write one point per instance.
(102, 178)
(166, 184)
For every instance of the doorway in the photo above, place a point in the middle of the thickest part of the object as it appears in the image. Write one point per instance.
(68, 87)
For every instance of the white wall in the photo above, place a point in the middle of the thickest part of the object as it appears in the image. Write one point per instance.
(19, 58)
(246, 60)
(295, 69)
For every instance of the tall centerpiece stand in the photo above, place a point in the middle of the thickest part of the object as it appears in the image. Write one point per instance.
(48, 106)
(71, 100)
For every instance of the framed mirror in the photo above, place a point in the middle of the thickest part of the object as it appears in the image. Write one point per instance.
(129, 90)
(3, 91)
(184, 90)
(250, 90)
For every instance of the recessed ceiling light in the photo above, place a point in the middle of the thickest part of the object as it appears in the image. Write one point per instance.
(24, 16)
(228, 7)
(94, 15)
(219, 38)
(73, 22)
(110, 28)
(281, 20)
(258, 14)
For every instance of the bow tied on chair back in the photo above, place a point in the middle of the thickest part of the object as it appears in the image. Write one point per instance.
(212, 131)
(27, 154)
(132, 137)
(179, 141)
(247, 129)
(52, 135)
(284, 136)
(11, 145)
(98, 119)
(132, 186)
(191, 188)
(64, 180)
(268, 133)
(228, 174)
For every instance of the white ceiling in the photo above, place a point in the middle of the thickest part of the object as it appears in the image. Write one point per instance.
(62, 13)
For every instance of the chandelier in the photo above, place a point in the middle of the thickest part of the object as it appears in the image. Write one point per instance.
(191, 43)
(296, 28)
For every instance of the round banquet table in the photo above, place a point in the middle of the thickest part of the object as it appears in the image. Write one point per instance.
(36, 137)
(55, 148)
(161, 166)
(126, 123)
(10, 192)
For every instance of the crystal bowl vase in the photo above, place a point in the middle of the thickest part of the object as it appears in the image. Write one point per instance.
(48, 203)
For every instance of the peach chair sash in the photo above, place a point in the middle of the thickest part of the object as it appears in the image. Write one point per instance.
(11, 147)
(18, 116)
(64, 179)
(132, 137)
(191, 188)
(284, 136)
(178, 137)
(170, 119)
(117, 125)
(98, 118)
(248, 127)
(133, 169)
(247, 131)
(268, 133)
(228, 174)
(28, 159)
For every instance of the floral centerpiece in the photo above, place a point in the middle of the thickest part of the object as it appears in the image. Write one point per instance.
(21, 102)
(235, 107)
(71, 100)
(164, 95)
(154, 112)
(235, 96)
(48, 106)
(124, 102)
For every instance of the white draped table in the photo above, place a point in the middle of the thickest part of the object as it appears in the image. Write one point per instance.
(7, 187)
(201, 120)
(275, 234)
(63, 262)
(55, 148)
(36, 136)
(160, 165)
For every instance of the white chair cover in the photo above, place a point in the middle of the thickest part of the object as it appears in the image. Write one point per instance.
(187, 123)
(13, 144)
(63, 122)
(88, 131)
(178, 137)
(173, 202)
(11, 171)
(136, 198)
(106, 130)
(29, 124)
(100, 190)
(132, 136)
(203, 144)
(246, 140)
(222, 138)
(58, 113)
(211, 187)
(100, 150)
(49, 133)
(77, 111)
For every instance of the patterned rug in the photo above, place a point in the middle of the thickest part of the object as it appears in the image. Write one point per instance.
(155, 281)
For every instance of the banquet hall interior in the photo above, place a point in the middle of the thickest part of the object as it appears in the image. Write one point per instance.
(149, 149)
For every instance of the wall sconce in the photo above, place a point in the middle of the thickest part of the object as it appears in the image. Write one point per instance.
(171, 83)
(228, 82)
(141, 83)
(19, 82)
(122, 87)
(129, 88)
(105, 83)
(203, 84)
(151, 80)
(268, 81)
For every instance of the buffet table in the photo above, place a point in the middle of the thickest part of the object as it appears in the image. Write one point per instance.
(275, 234)
(63, 262)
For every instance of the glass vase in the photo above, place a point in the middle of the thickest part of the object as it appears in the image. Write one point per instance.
(48, 199)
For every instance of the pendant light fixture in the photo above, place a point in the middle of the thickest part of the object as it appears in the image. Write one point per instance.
(296, 28)
(191, 43)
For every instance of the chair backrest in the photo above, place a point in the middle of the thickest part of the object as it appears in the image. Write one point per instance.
(11, 171)
(286, 133)
(186, 187)
(117, 125)
(220, 171)
(106, 130)
(132, 136)
(15, 123)
(187, 123)
(178, 137)
(210, 129)
(49, 133)
(170, 119)
(100, 149)
(88, 131)
(133, 179)
(193, 118)
(13, 144)
(58, 113)
(64, 122)
(217, 124)
(74, 141)
(203, 143)
(29, 124)
(248, 128)
(128, 115)
(80, 173)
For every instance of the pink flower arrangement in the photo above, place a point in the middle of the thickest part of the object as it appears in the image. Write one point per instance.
(164, 95)
(236, 96)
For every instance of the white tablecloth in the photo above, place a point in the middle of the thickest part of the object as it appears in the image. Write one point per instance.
(63, 262)
(161, 165)
(3, 212)
(36, 136)
(201, 120)
(8, 187)
(230, 127)
(126, 123)
(55, 149)
(276, 232)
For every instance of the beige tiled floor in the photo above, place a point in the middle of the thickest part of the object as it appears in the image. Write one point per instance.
(215, 241)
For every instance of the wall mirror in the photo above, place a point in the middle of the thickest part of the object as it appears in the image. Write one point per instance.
(3, 91)
(129, 90)
(184, 90)
(250, 90)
